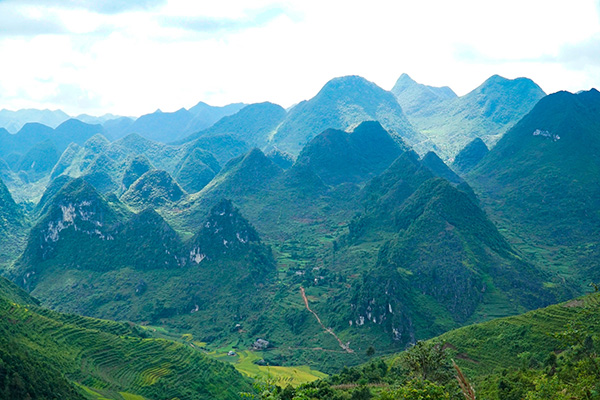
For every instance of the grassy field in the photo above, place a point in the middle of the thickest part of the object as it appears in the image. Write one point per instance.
(245, 362)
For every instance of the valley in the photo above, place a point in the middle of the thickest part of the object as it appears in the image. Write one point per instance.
(191, 254)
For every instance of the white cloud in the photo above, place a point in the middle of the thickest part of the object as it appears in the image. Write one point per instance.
(133, 60)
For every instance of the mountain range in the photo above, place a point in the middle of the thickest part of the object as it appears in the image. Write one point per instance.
(360, 221)
(451, 122)
(540, 180)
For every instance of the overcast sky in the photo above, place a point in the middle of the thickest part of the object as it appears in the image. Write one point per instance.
(132, 57)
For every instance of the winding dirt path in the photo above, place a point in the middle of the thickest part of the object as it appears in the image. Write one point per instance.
(345, 347)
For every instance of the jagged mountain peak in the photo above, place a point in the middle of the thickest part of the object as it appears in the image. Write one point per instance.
(76, 210)
(343, 103)
(439, 168)
(137, 167)
(496, 86)
(96, 143)
(255, 162)
(52, 189)
(338, 156)
(375, 141)
(196, 170)
(244, 174)
(543, 174)
(414, 96)
(225, 231)
(155, 188)
(470, 156)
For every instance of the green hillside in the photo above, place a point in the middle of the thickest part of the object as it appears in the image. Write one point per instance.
(112, 167)
(550, 353)
(39, 160)
(442, 264)
(470, 156)
(541, 183)
(486, 112)
(154, 188)
(439, 168)
(357, 247)
(413, 96)
(134, 170)
(49, 355)
(253, 124)
(12, 227)
(341, 104)
(337, 156)
(196, 170)
(146, 272)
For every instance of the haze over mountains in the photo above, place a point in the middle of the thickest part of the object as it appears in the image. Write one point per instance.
(359, 219)
(429, 117)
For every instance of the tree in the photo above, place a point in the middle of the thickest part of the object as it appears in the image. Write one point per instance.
(370, 351)
(428, 361)
(417, 389)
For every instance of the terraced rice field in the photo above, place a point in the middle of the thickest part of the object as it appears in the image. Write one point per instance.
(110, 357)
(245, 362)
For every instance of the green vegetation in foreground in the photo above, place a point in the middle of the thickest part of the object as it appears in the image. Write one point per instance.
(550, 353)
(43, 352)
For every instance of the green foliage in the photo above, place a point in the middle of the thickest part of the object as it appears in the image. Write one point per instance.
(146, 272)
(417, 389)
(440, 169)
(41, 351)
(427, 361)
(196, 170)
(384, 263)
(135, 169)
(155, 188)
(39, 160)
(12, 227)
(23, 376)
(225, 231)
(245, 173)
(444, 263)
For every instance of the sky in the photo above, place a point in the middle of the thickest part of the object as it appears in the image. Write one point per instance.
(133, 57)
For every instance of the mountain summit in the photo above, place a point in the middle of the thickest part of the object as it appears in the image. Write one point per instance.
(486, 112)
(341, 104)
(414, 96)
